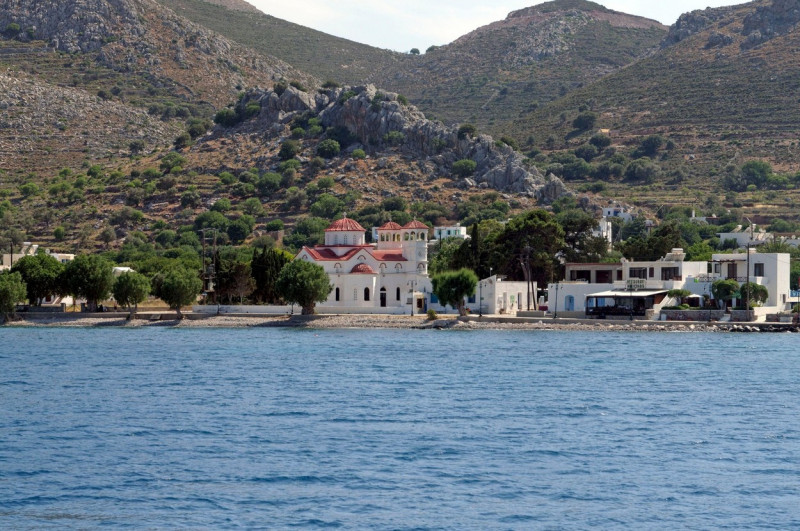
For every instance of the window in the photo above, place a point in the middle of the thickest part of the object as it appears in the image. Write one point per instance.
(670, 273)
(366, 294)
(652, 272)
(638, 272)
(337, 294)
(398, 294)
(758, 269)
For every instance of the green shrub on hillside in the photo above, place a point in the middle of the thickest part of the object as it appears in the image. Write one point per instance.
(464, 167)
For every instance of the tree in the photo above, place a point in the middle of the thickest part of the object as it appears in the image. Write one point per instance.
(724, 290)
(650, 146)
(12, 239)
(755, 294)
(12, 291)
(108, 235)
(327, 206)
(466, 131)
(179, 287)
(452, 286)
(328, 148)
(130, 289)
(584, 121)
(464, 167)
(536, 232)
(289, 149)
(266, 267)
(89, 277)
(303, 283)
(414, 51)
(41, 274)
(679, 294)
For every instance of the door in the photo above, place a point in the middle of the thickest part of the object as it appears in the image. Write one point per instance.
(569, 303)
(383, 297)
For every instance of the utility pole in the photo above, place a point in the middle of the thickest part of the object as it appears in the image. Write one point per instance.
(555, 312)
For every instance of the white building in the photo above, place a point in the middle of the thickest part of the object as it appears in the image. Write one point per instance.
(604, 230)
(384, 277)
(454, 231)
(30, 249)
(608, 289)
(771, 270)
(502, 297)
(751, 235)
(618, 211)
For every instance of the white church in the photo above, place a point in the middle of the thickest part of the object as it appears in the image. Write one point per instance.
(387, 276)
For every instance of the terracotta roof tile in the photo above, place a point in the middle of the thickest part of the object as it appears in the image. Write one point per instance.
(345, 224)
(362, 269)
(415, 225)
(391, 225)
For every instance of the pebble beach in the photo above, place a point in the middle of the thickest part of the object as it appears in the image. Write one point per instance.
(377, 322)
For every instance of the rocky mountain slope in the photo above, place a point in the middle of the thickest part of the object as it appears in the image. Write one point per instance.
(383, 125)
(487, 77)
(123, 60)
(512, 66)
(721, 91)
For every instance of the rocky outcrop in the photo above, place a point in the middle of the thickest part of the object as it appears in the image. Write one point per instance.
(75, 26)
(693, 23)
(143, 35)
(770, 21)
(381, 122)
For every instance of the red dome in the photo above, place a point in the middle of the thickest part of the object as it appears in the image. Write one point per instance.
(391, 225)
(345, 224)
(363, 269)
(415, 225)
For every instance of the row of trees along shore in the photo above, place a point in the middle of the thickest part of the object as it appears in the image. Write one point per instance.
(277, 278)
(536, 237)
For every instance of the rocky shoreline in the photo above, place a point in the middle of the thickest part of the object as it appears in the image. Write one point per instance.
(383, 321)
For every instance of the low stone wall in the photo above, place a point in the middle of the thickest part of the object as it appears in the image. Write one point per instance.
(61, 308)
(254, 309)
(742, 316)
(692, 315)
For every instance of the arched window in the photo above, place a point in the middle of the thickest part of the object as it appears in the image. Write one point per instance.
(337, 294)
(405, 236)
(366, 294)
(397, 294)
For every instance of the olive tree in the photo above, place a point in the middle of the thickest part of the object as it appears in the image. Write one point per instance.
(12, 291)
(41, 274)
(452, 286)
(89, 277)
(130, 289)
(179, 287)
(303, 283)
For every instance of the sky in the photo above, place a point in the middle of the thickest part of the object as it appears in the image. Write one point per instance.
(402, 25)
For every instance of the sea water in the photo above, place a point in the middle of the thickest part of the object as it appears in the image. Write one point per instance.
(397, 429)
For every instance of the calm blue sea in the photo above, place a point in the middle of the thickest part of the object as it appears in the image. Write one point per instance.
(398, 429)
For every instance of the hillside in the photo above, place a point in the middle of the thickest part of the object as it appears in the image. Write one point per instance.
(319, 54)
(721, 91)
(510, 67)
(486, 77)
(105, 138)
(91, 78)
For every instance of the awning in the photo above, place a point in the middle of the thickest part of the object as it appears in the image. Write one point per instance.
(627, 294)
